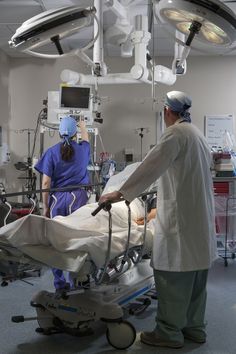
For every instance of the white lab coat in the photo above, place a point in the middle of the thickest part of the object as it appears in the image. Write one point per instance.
(184, 237)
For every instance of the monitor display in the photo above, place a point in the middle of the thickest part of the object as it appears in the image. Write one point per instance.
(75, 97)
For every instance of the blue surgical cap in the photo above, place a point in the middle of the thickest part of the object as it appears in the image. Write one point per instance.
(179, 102)
(68, 127)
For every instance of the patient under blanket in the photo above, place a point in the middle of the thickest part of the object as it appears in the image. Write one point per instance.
(66, 242)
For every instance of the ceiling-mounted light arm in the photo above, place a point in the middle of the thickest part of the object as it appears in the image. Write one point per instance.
(194, 29)
(140, 39)
(99, 68)
(179, 44)
(178, 69)
(119, 32)
(56, 41)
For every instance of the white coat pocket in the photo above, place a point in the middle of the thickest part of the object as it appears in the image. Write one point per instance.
(167, 218)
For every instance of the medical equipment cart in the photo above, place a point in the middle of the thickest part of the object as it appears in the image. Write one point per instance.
(225, 216)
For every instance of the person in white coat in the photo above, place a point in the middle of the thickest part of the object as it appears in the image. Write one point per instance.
(184, 244)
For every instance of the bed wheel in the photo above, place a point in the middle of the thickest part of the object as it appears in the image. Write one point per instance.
(4, 283)
(120, 335)
(45, 318)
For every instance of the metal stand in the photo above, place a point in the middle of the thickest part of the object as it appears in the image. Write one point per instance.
(230, 212)
(140, 132)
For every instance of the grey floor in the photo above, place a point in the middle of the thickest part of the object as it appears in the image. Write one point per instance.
(22, 339)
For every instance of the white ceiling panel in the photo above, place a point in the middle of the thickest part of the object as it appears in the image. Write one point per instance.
(5, 31)
(12, 12)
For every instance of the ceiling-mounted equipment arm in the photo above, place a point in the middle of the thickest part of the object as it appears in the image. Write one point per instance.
(193, 30)
(179, 54)
(99, 68)
(56, 41)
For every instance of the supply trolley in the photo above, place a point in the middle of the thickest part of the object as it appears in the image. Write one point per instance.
(225, 217)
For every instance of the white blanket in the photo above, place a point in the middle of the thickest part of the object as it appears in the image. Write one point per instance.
(75, 236)
(66, 242)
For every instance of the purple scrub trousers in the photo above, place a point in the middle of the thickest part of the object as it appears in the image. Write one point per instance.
(65, 203)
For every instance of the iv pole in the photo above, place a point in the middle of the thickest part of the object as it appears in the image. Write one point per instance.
(140, 131)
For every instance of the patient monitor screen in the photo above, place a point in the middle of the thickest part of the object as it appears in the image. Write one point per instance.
(75, 97)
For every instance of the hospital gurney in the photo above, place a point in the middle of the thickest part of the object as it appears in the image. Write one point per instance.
(102, 289)
(10, 270)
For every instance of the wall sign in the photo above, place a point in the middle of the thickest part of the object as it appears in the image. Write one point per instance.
(216, 126)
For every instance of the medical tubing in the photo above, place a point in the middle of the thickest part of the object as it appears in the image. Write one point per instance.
(48, 126)
(36, 132)
(99, 280)
(33, 202)
(101, 141)
(8, 213)
(72, 203)
(53, 205)
(94, 167)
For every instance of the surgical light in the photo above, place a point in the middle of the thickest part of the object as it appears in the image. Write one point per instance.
(217, 23)
(50, 27)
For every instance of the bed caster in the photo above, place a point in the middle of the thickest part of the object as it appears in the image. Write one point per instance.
(44, 331)
(45, 320)
(120, 335)
(4, 283)
(39, 330)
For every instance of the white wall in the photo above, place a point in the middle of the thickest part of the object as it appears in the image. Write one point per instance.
(5, 107)
(210, 81)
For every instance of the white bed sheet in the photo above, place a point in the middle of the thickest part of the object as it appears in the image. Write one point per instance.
(67, 242)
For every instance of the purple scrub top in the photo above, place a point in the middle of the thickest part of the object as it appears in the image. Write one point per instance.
(65, 173)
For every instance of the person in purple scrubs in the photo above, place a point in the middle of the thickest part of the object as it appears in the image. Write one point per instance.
(65, 164)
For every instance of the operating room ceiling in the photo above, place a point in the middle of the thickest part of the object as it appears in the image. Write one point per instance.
(14, 12)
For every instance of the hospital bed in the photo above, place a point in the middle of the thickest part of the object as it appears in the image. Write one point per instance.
(104, 281)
